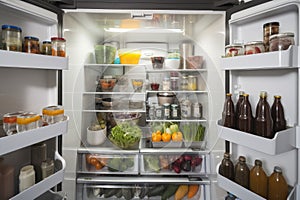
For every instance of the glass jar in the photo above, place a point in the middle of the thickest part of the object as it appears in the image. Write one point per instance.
(174, 111)
(270, 28)
(192, 82)
(47, 168)
(11, 38)
(28, 121)
(10, 122)
(174, 83)
(166, 84)
(197, 110)
(53, 114)
(31, 44)
(234, 50)
(158, 111)
(281, 41)
(186, 110)
(152, 111)
(166, 111)
(58, 46)
(46, 48)
(254, 47)
(26, 177)
(184, 82)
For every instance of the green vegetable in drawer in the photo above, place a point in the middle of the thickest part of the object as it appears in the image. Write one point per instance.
(119, 193)
(144, 191)
(109, 192)
(128, 193)
(170, 191)
(152, 162)
(156, 190)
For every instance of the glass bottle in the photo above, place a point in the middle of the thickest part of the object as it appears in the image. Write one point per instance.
(278, 187)
(7, 180)
(263, 122)
(277, 112)
(237, 106)
(245, 119)
(258, 180)
(226, 168)
(241, 172)
(228, 117)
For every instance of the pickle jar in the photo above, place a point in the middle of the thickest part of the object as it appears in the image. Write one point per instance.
(281, 41)
(58, 46)
(28, 121)
(10, 122)
(31, 44)
(184, 82)
(53, 114)
(46, 48)
(11, 38)
(192, 82)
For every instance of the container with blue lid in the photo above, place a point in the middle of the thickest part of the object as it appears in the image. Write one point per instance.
(31, 44)
(11, 38)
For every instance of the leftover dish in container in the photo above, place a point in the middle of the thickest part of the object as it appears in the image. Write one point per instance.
(254, 47)
(165, 97)
(107, 84)
(234, 50)
(194, 62)
(105, 54)
(281, 41)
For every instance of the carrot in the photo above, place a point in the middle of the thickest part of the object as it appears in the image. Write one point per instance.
(181, 192)
(193, 189)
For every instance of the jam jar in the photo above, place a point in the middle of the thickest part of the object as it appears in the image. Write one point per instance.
(270, 28)
(281, 41)
(46, 48)
(254, 47)
(31, 44)
(11, 38)
(10, 122)
(28, 121)
(234, 50)
(58, 46)
(53, 114)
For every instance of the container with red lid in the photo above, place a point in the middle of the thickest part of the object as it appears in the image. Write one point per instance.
(58, 46)
(10, 122)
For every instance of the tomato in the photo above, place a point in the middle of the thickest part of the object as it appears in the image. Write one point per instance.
(166, 137)
(156, 137)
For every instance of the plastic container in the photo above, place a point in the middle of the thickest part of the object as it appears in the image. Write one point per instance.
(129, 56)
(96, 137)
(254, 47)
(31, 44)
(270, 28)
(53, 114)
(58, 46)
(105, 54)
(28, 121)
(281, 41)
(11, 38)
(234, 50)
(46, 48)
(10, 122)
(26, 177)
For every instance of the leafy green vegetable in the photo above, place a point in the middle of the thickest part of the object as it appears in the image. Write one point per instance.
(152, 162)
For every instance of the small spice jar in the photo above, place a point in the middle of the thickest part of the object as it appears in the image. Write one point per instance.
(281, 41)
(184, 82)
(174, 111)
(11, 38)
(270, 28)
(192, 82)
(28, 121)
(158, 111)
(254, 47)
(174, 83)
(46, 48)
(10, 122)
(197, 110)
(53, 114)
(234, 50)
(31, 44)
(58, 46)
(166, 111)
(186, 109)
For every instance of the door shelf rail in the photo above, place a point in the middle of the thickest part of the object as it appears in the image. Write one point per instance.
(286, 59)
(283, 141)
(44, 185)
(27, 138)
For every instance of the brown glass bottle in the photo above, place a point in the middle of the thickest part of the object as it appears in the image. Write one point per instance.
(237, 107)
(245, 120)
(228, 115)
(7, 181)
(278, 187)
(277, 113)
(263, 123)
(226, 168)
(241, 172)
(258, 180)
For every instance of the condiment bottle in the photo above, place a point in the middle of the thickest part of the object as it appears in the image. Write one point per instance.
(228, 116)
(258, 180)
(26, 177)
(263, 122)
(241, 172)
(226, 168)
(278, 187)
(245, 119)
(38, 155)
(237, 106)
(6, 180)
(47, 168)
(277, 112)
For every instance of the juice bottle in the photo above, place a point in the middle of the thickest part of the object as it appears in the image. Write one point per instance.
(228, 116)
(278, 187)
(237, 107)
(277, 112)
(226, 168)
(245, 119)
(263, 122)
(259, 180)
(241, 175)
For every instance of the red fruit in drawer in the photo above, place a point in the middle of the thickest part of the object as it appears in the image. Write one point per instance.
(249, 52)
(257, 50)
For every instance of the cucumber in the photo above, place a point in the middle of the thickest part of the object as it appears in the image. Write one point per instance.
(156, 191)
(170, 191)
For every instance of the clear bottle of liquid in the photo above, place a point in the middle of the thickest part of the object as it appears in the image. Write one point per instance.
(245, 119)
(277, 112)
(226, 168)
(263, 122)
(237, 106)
(228, 116)
(278, 187)
(241, 172)
(259, 180)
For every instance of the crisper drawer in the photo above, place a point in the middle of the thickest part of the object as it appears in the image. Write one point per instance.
(105, 163)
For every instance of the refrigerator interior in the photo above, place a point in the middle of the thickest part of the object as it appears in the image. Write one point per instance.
(158, 33)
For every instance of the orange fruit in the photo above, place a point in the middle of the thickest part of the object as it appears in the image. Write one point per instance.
(156, 137)
(177, 136)
(166, 137)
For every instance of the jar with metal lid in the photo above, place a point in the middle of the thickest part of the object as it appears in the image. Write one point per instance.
(166, 111)
(151, 112)
(47, 168)
(46, 48)
(31, 44)
(10, 122)
(158, 111)
(26, 177)
(270, 28)
(254, 47)
(174, 83)
(186, 109)
(53, 114)
(166, 84)
(58, 46)
(174, 111)
(281, 41)
(234, 50)
(197, 110)
(28, 121)
(11, 38)
(192, 82)
(184, 82)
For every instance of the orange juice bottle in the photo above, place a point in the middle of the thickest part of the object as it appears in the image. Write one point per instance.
(278, 187)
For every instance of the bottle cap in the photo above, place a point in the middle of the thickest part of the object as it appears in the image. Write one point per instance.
(245, 95)
(277, 169)
(228, 94)
(241, 92)
(226, 155)
(263, 94)
(258, 162)
(242, 159)
(277, 96)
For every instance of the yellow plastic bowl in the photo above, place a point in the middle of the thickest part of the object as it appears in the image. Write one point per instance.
(129, 56)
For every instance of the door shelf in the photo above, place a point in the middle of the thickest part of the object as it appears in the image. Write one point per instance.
(283, 141)
(44, 185)
(33, 61)
(203, 120)
(176, 70)
(27, 138)
(270, 60)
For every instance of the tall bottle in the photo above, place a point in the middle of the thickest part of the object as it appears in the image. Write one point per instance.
(245, 119)
(226, 168)
(263, 123)
(277, 112)
(7, 181)
(228, 115)
(237, 107)
(258, 180)
(241, 172)
(278, 187)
